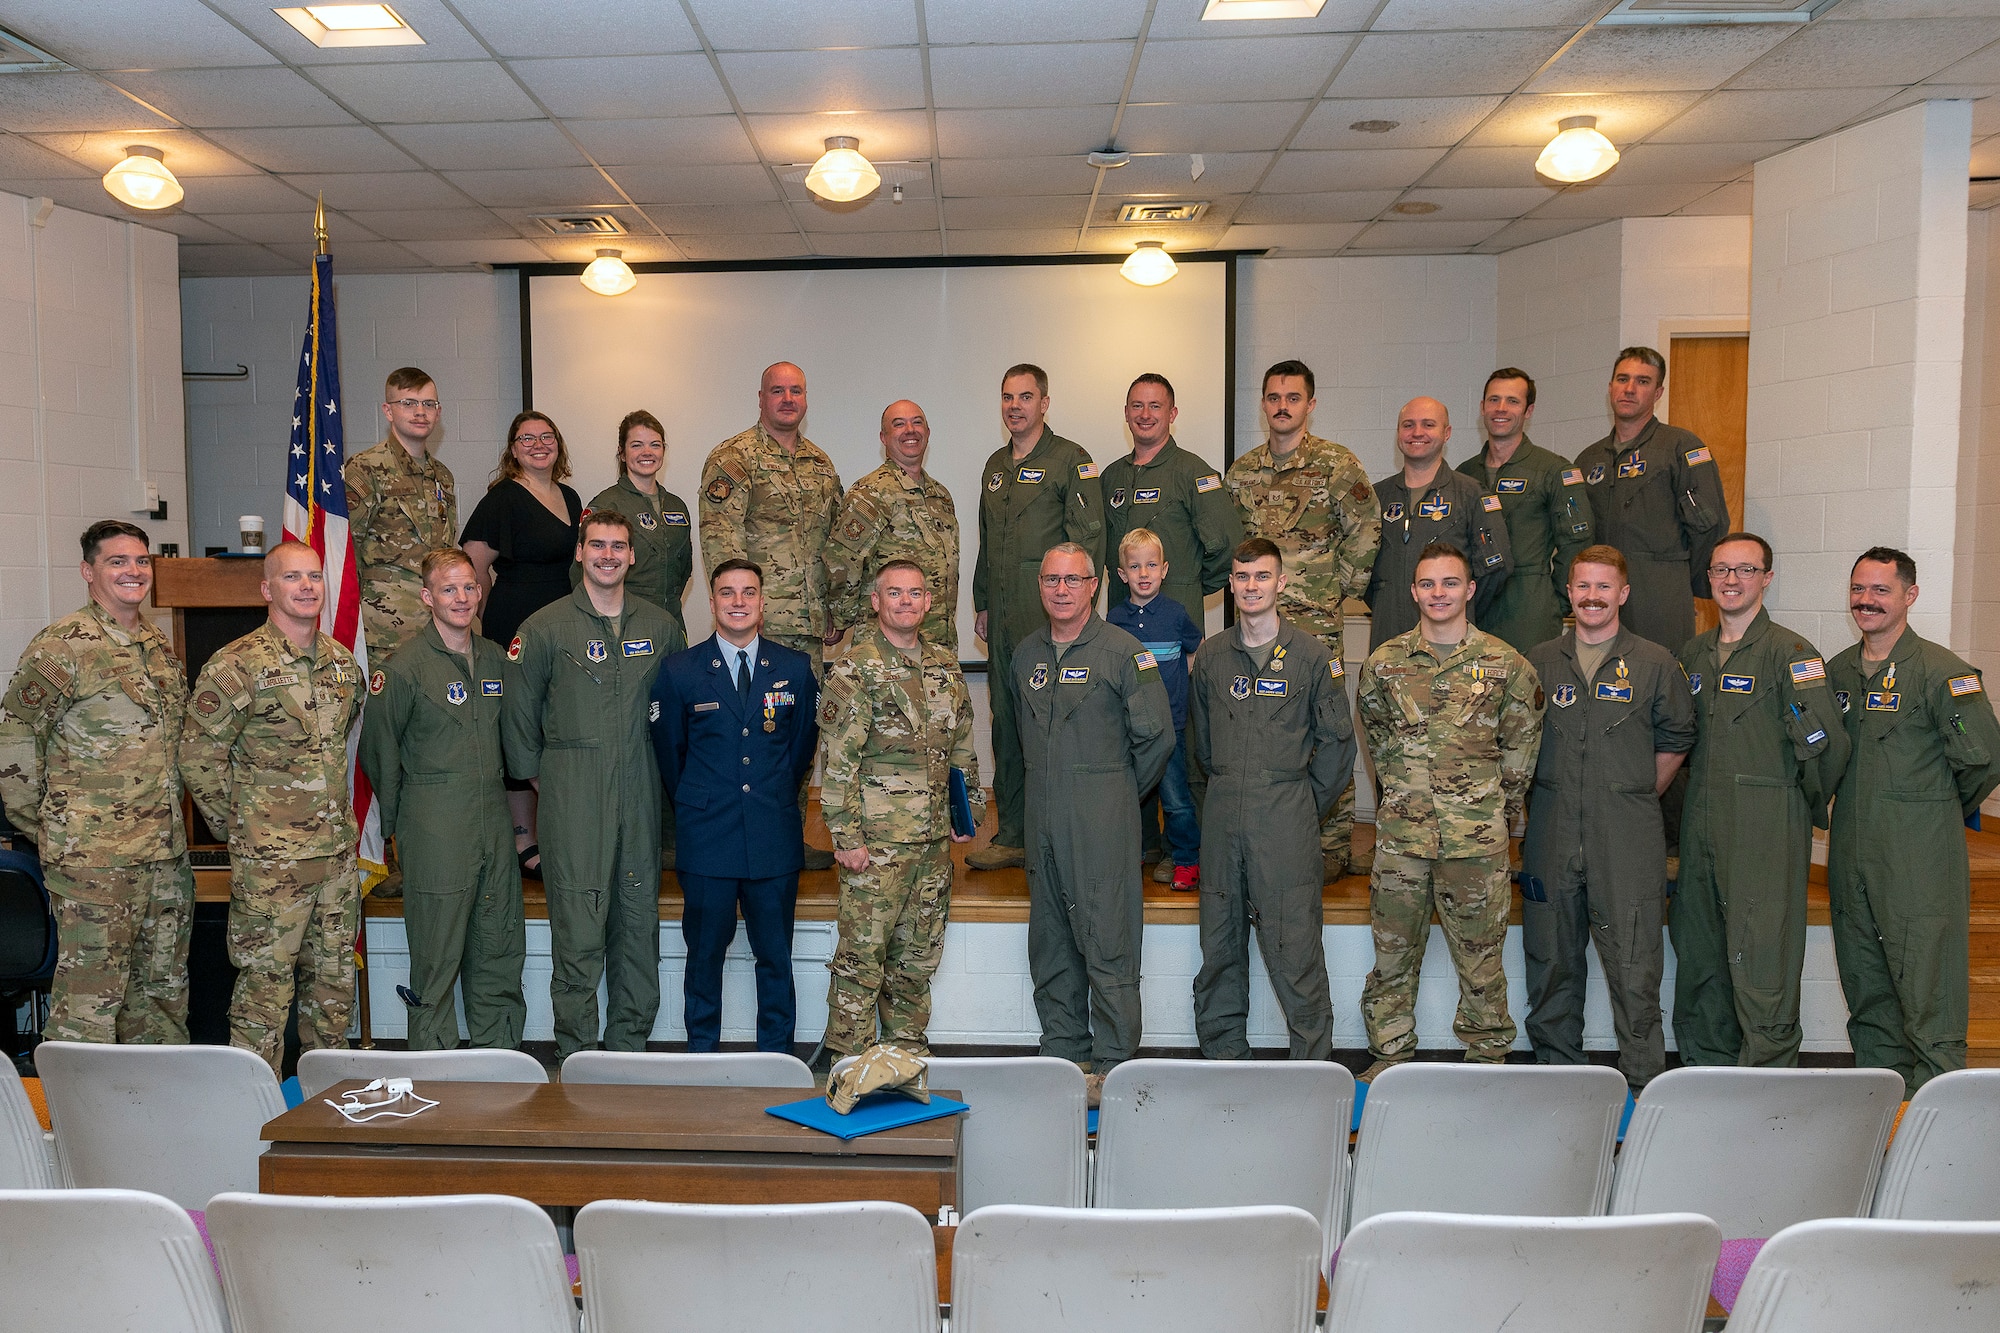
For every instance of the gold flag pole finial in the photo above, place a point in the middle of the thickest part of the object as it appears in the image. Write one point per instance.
(319, 224)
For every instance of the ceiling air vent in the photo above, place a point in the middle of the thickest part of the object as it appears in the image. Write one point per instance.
(1715, 11)
(19, 56)
(1161, 211)
(580, 224)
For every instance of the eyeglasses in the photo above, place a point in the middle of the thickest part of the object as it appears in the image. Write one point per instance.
(412, 404)
(535, 439)
(1717, 573)
(1067, 580)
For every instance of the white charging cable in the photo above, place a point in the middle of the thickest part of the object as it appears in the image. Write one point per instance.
(378, 1101)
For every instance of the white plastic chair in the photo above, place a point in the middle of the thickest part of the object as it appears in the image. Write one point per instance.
(1757, 1149)
(180, 1121)
(829, 1267)
(25, 1163)
(689, 1069)
(1021, 1269)
(1516, 1140)
(104, 1261)
(1944, 1163)
(321, 1069)
(1023, 1141)
(1850, 1275)
(452, 1261)
(1446, 1272)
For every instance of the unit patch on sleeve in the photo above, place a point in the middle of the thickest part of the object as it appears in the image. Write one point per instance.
(376, 682)
(514, 649)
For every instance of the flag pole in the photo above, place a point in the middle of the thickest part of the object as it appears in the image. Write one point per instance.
(319, 224)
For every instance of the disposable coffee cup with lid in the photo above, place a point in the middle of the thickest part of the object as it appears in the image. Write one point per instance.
(250, 532)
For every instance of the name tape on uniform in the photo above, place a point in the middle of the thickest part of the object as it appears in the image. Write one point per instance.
(1075, 675)
(1513, 486)
(1031, 474)
(1270, 689)
(490, 688)
(1737, 684)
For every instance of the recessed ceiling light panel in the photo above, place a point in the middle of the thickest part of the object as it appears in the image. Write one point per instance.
(1162, 210)
(351, 25)
(1263, 9)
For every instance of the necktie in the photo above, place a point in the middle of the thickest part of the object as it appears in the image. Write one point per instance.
(743, 675)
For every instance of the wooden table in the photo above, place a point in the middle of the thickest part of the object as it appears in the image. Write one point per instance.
(571, 1144)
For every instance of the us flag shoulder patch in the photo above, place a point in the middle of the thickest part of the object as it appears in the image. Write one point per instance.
(1810, 669)
(1203, 485)
(1694, 456)
(1572, 476)
(1491, 503)
(1144, 660)
(1964, 685)
(1087, 471)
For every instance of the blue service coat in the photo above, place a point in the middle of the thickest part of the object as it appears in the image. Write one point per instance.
(734, 784)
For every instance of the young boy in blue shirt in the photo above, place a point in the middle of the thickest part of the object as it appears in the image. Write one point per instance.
(1165, 628)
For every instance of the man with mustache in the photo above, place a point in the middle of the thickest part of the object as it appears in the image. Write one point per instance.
(1619, 721)
(1311, 499)
(1926, 753)
(1770, 751)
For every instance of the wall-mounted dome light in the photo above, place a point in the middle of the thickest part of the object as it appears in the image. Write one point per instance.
(143, 181)
(1579, 153)
(1149, 265)
(842, 175)
(609, 274)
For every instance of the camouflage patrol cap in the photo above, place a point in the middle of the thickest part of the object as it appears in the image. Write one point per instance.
(879, 1069)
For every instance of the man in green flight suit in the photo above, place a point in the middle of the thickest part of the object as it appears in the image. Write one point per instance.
(1926, 753)
(662, 536)
(577, 693)
(1040, 489)
(430, 744)
(1096, 730)
(1770, 752)
(1547, 508)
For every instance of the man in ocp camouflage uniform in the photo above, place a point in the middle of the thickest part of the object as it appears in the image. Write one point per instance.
(1454, 719)
(897, 512)
(400, 504)
(88, 736)
(895, 719)
(264, 753)
(1311, 499)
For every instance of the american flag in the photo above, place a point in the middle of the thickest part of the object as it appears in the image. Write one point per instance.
(316, 514)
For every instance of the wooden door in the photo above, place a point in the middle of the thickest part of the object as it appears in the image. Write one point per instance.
(1708, 392)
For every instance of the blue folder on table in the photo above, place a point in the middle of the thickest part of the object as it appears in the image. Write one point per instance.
(871, 1115)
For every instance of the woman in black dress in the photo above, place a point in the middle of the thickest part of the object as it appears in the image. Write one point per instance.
(522, 541)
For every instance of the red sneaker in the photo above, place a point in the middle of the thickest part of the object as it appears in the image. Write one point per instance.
(1187, 879)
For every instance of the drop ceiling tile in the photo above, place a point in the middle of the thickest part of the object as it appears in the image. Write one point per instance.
(643, 248)
(1373, 169)
(1421, 122)
(784, 25)
(516, 143)
(720, 219)
(886, 136)
(449, 90)
(876, 214)
(1298, 209)
(1179, 239)
(1218, 69)
(1909, 9)
(197, 261)
(1043, 75)
(1529, 231)
(187, 153)
(620, 87)
(1485, 168)
(1480, 204)
(365, 257)
(1621, 117)
(374, 190)
(332, 148)
(1421, 234)
(463, 254)
(954, 21)
(1011, 241)
(743, 184)
(1458, 62)
(878, 244)
(293, 227)
(1978, 67)
(1050, 131)
(1659, 58)
(1431, 15)
(1983, 96)
(1669, 163)
(444, 37)
(1727, 200)
(691, 140)
(244, 194)
(1752, 115)
(1621, 201)
(192, 230)
(1838, 55)
(130, 34)
(22, 157)
(603, 28)
(244, 97)
(80, 193)
(46, 102)
(435, 224)
(1023, 211)
(805, 81)
(1185, 20)
(974, 178)
(1221, 127)
(1302, 236)
(563, 187)
(778, 245)
(1173, 173)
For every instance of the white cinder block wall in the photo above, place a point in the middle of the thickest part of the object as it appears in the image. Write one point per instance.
(90, 399)
(1857, 330)
(1975, 621)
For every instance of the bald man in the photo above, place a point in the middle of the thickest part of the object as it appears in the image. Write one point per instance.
(1428, 502)
(897, 512)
